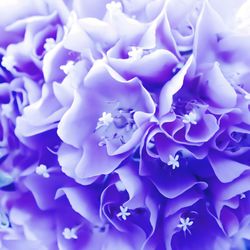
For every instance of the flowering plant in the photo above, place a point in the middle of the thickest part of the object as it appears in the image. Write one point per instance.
(124, 125)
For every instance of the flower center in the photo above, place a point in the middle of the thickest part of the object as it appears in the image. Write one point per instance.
(174, 161)
(50, 43)
(124, 213)
(105, 120)
(42, 170)
(116, 127)
(135, 53)
(71, 233)
(185, 223)
(191, 117)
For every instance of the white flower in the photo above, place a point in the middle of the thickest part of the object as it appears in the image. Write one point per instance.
(67, 68)
(70, 233)
(135, 53)
(124, 213)
(8, 62)
(173, 161)
(191, 117)
(184, 224)
(105, 120)
(50, 43)
(43, 171)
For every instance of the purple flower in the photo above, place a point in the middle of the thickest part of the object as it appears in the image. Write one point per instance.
(119, 115)
(124, 124)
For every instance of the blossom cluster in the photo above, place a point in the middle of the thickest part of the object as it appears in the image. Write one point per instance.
(124, 125)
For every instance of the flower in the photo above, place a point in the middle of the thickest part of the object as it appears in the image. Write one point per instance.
(124, 123)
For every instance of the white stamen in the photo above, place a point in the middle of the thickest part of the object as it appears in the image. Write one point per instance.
(120, 186)
(8, 62)
(191, 117)
(43, 171)
(67, 68)
(50, 43)
(185, 223)
(173, 161)
(135, 53)
(114, 7)
(124, 213)
(105, 120)
(70, 233)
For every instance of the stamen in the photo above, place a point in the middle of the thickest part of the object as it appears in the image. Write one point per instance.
(124, 213)
(8, 62)
(114, 7)
(43, 171)
(49, 44)
(191, 117)
(67, 68)
(173, 161)
(105, 120)
(184, 224)
(135, 53)
(116, 127)
(71, 233)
